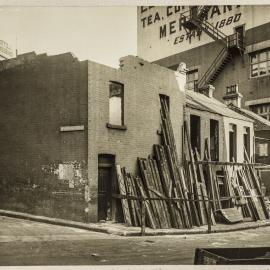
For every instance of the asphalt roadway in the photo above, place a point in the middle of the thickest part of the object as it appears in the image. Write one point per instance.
(25, 242)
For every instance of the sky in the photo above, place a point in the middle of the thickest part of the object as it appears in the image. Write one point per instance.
(100, 34)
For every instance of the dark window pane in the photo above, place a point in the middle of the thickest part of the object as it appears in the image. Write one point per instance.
(254, 70)
(254, 58)
(214, 140)
(192, 75)
(262, 68)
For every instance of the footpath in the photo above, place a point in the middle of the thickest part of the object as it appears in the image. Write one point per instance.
(124, 230)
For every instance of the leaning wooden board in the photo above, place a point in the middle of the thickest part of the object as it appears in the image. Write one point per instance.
(122, 189)
(148, 210)
(231, 215)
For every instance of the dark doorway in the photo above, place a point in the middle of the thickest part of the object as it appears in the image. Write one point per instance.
(105, 183)
(232, 143)
(214, 140)
(240, 29)
(241, 32)
(195, 132)
(247, 141)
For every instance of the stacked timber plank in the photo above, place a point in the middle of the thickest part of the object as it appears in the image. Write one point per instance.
(175, 196)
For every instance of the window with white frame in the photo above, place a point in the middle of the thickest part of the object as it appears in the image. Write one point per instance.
(260, 63)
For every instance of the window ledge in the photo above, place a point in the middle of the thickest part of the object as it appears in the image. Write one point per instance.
(120, 127)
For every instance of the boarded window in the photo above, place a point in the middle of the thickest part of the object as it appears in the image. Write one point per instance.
(116, 104)
(262, 149)
(214, 140)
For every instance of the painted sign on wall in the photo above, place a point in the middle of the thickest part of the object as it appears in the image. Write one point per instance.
(161, 32)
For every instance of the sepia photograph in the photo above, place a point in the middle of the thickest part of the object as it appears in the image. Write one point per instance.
(134, 134)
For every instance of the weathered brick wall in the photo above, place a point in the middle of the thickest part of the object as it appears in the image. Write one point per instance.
(143, 82)
(38, 95)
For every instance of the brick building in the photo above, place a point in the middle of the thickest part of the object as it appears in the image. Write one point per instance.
(207, 41)
(65, 123)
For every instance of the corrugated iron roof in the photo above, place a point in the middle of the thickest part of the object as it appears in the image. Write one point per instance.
(213, 105)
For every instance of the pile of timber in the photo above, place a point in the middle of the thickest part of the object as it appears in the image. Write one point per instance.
(178, 196)
(245, 187)
(234, 187)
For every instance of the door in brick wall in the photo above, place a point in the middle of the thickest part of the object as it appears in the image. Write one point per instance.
(105, 176)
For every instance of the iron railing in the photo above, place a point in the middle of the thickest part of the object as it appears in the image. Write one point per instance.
(213, 67)
(194, 18)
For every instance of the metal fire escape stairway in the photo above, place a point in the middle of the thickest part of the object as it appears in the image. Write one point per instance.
(194, 19)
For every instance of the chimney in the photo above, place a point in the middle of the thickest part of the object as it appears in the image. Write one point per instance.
(233, 96)
(207, 90)
(180, 75)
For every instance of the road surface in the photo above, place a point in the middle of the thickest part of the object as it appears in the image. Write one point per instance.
(25, 242)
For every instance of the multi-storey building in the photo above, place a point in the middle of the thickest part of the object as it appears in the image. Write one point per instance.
(221, 45)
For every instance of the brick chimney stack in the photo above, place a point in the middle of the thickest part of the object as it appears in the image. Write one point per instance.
(233, 96)
(207, 90)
